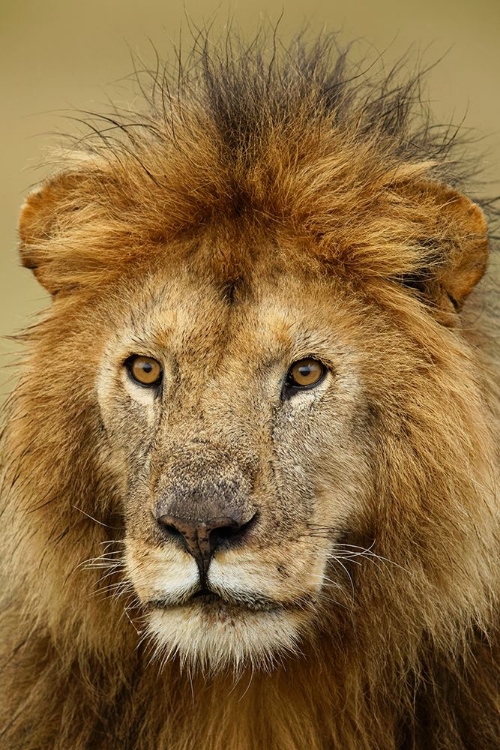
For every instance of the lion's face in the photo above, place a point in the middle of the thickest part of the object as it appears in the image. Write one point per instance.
(236, 486)
(239, 491)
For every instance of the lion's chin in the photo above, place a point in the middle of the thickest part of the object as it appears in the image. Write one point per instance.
(217, 637)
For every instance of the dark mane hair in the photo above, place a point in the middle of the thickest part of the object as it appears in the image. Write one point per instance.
(248, 90)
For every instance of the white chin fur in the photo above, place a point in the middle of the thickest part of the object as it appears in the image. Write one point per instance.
(216, 638)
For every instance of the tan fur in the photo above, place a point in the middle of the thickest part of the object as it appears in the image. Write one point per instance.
(364, 601)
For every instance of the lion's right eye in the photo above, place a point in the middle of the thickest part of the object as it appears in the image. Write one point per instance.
(302, 376)
(144, 370)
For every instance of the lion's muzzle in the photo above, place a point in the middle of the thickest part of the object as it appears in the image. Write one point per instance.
(204, 505)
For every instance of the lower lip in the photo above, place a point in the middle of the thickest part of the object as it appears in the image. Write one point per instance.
(211, 601)
(207, 598)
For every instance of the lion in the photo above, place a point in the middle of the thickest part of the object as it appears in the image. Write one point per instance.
(250, 469)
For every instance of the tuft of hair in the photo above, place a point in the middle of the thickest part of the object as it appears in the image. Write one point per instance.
(297, 137)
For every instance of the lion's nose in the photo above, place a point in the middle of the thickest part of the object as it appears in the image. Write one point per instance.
(202, 537)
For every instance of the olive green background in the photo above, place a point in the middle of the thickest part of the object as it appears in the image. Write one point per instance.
(60, 55)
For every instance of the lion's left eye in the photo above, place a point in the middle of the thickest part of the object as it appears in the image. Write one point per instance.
(304, 374)
(144, 370)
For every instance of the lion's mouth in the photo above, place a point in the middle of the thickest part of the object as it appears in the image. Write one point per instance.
(237, 601)
(206, 596)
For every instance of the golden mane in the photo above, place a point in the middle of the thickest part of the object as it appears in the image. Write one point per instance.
(346, 173)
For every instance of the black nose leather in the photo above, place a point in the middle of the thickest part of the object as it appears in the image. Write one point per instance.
(202, 537)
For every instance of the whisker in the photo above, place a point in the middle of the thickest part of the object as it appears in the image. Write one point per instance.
(96, 520)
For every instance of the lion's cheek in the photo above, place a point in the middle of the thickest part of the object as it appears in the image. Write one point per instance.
(284, 572)
(159, 573)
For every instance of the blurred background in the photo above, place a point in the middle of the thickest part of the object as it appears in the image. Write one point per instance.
(60, 55)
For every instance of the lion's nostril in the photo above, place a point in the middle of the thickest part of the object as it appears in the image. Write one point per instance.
(234, 533)
(224, 532)
(223, 535)
(171, 530)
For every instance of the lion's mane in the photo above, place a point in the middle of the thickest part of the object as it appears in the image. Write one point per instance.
(302, 143)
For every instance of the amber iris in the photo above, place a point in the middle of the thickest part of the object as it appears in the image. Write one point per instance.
(305, 373)
(145, 370)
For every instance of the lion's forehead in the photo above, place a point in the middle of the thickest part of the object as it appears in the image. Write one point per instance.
(274, 320)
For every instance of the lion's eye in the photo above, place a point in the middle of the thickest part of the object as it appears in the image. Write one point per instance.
(304, 374)
(144, 370)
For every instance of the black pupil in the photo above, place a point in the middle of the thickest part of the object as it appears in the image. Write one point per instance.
(305, 370)
(147, 367)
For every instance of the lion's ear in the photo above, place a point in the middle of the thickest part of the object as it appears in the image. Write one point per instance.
(456, 243)
(45, 212)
